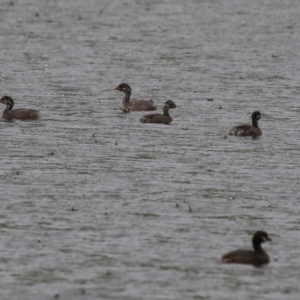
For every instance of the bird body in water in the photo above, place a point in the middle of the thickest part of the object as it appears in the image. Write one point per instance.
(248, 130)
(257, 258)
(164, 118)
(19, 113)
(128, 105)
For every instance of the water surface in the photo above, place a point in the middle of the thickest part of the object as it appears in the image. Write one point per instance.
(94, 204)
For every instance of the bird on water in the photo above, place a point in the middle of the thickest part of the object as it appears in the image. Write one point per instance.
(248, 130)
(128, 105)
(257, 258)
(19, 113)
(164, 118)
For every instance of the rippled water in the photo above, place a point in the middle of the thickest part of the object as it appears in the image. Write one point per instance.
(94, 204)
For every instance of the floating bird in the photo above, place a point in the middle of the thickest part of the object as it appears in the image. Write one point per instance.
(248, 130)
(135, 105)
(164, 118)
(18, 113)
(257, 258)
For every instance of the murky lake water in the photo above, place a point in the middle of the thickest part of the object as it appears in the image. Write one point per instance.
(96, 205)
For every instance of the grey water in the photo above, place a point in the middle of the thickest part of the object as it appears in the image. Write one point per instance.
(95, 204)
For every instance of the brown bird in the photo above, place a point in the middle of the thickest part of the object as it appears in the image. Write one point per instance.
(257, 258)
(19, 113)
(135, 105)
(164, 118)
(248, 130)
